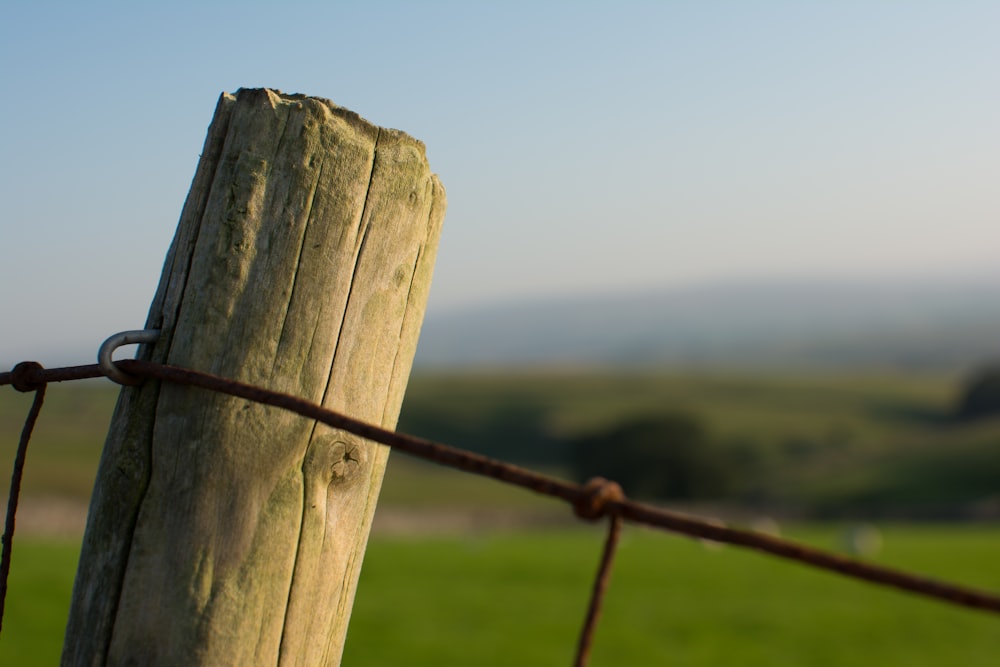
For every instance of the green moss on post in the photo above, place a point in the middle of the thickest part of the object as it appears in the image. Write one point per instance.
(221, 531)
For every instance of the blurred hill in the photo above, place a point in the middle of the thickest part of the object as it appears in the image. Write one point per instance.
(912, 325)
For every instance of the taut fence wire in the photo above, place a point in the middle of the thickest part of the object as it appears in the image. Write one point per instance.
(594, 500)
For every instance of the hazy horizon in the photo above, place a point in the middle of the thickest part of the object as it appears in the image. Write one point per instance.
(735, 320)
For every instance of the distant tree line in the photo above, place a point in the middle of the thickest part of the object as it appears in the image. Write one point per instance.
(660, 455)
(980, 395)
(673, 455)
(657, 456)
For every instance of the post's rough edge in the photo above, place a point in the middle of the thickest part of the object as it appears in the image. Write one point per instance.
(352, 117)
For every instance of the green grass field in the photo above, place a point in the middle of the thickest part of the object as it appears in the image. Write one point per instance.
(519, 598)
(39, 588)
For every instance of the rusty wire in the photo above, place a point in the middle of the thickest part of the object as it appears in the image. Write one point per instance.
(21, 382)
(592, 501)
(597, 594)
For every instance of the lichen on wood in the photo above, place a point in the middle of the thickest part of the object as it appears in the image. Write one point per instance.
(221, 531)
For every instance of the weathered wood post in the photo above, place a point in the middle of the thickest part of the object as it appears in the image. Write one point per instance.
(222, 532)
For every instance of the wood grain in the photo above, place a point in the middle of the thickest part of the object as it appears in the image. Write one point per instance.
(226, 533)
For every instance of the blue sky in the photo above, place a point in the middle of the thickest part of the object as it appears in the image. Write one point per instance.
(584, 146)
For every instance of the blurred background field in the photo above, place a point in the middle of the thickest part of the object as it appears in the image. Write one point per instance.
(462, 569)
(805, 445)
(517, 596)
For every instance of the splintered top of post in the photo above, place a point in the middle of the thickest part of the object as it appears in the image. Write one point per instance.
(276, 98)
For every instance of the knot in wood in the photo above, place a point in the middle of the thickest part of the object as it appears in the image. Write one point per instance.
(22, 376)
(595, 497)
(347, 460)
(333, 458)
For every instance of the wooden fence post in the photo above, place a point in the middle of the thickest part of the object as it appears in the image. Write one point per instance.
(222, 532)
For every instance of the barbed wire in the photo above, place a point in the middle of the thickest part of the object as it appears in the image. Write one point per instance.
(592, 501)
